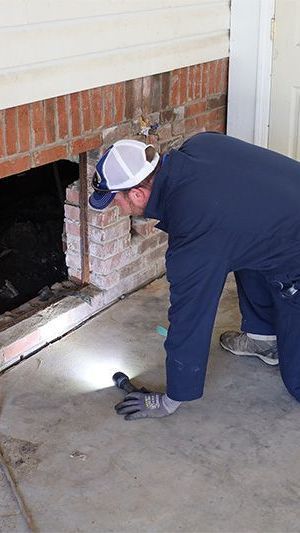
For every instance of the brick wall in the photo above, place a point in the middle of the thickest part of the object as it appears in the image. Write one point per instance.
(120, 253)
(187, 100)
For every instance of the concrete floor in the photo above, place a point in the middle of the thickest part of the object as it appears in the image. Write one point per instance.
(227, 463)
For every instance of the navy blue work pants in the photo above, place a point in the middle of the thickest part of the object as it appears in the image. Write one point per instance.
(267, 311)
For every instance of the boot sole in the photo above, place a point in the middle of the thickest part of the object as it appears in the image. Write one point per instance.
(264, 358)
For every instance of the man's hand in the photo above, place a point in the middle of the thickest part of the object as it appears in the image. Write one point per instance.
(145, 405)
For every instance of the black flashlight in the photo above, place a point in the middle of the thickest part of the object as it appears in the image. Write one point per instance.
(123, 382)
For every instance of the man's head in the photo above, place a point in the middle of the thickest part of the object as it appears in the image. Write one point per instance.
(125, 174)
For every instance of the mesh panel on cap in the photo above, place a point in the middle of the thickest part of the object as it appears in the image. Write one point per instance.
(132, 157)
(114, 172)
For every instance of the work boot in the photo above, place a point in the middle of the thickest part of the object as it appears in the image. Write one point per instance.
(240, 344)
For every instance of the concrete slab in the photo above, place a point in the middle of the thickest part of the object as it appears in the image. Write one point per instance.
(226, 463)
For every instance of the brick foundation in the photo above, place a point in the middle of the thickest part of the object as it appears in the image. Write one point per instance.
(116, 254)
(124, 253)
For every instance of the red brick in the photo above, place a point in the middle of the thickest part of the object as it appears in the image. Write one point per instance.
(86, 110)
(143, 227)
(192, 124)
(114, 262)
(157, 253)
(50, 120)
(62, 116)
(85, 144)
(22, 345)
(183, 85)
(212, 77)
(38, 123)
(165, 132)
(148, 243)
(133, 98)
(108, 249)
(220, 126)
(111, 232)
(195, 109)
(216, 101)
(213, 119)
(72, 195)
(191, 82)
(162, 237)
(179, 113)
(74, 275)
(132, 268)
(160, 265)
(156, 93)
(167, 116)
(201, 122)
(138, 279)
(99, 266)
(73, 261)
(175, 88)
(96, 105)
(129, 284)
(42, 157)
(178, 128)
(72, 228)
(119, 102)
(103, 219)
(11, 130)
(198, 81)
(218, 76)
(105, 282)
(72, 212)
(146, 97)
(2, 143)
(73, 244)
(114, 133)
(204, 83)
(107, 95)
(23, 128)
(14, 166)
(221, 118)
(75, 114)
(224, 83)
(165, 89)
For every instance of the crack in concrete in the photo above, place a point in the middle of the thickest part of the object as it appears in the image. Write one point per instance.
(9, 476)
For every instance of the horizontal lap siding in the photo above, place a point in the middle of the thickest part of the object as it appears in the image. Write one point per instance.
(99, 43)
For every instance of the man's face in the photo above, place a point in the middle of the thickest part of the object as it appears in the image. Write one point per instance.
(132, 202)
(122, 201)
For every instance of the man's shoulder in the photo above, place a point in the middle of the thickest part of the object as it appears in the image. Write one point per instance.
(203, 138)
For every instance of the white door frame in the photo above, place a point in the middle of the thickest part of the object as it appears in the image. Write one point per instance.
(250, 67)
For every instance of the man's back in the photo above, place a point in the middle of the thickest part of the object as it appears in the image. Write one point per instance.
(239, 197)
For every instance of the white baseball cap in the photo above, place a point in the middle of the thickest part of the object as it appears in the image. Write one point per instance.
(123, 166)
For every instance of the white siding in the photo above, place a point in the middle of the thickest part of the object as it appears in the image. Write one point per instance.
(49, 48)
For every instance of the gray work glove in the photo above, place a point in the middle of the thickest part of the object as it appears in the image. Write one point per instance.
(142, 405)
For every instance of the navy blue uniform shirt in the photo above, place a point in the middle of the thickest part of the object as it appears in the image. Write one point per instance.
(226, 205)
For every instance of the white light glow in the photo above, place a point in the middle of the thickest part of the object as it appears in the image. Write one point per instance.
(95, 372)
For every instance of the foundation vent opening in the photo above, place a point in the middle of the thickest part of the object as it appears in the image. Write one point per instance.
(32, 254)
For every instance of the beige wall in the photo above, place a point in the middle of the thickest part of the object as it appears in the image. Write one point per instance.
(50, 48)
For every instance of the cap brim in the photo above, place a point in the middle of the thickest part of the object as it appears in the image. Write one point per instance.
(99, 200)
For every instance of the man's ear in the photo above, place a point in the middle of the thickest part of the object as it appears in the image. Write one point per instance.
(136, 193)
(139, 195)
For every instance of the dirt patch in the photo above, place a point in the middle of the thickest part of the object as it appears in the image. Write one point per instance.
(19, 454)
